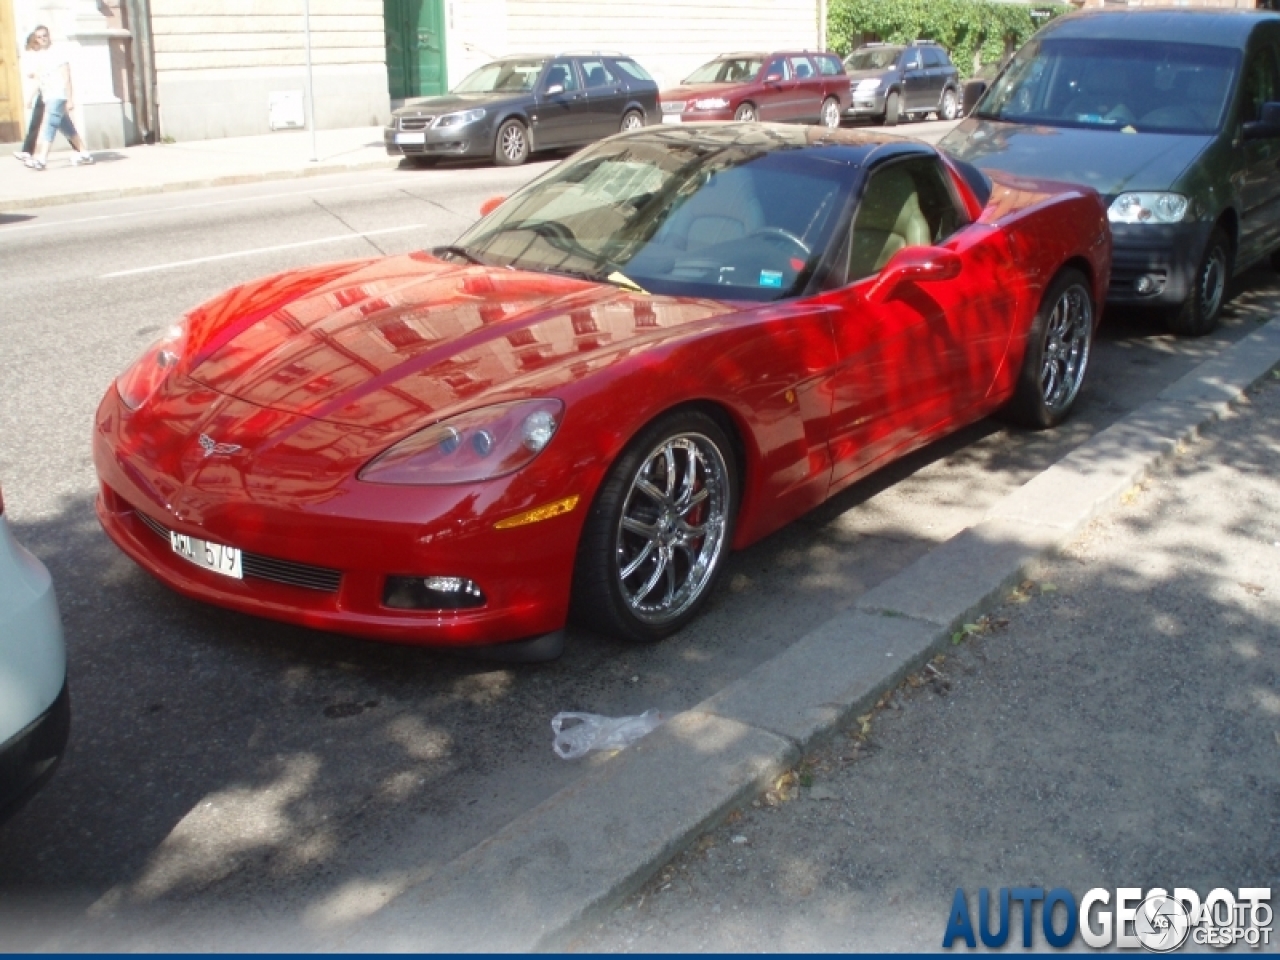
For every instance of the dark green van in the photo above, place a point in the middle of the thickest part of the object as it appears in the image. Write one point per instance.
(1174, 117)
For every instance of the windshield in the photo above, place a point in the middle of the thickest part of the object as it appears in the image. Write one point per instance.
(881, 58)
(505, 76)
(728, 70)
(1129, 85)
(745, 219)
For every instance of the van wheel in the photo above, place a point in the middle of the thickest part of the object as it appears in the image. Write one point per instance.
(1199, 313)
(891, 110)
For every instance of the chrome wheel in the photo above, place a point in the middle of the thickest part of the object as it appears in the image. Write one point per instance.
(672, 528)
(632, 121)
(746, 113)
(512, 147)
(831, 114)
(1067, 337)
(948, 109)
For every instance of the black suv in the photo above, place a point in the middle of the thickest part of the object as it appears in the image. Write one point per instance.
(888, 81)
(511, 107)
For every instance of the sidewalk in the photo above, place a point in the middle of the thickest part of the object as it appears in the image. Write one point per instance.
(133, 171)
(1114, 723)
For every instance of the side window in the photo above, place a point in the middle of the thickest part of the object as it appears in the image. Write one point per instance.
(932, 58)
(1261, 84)
(633, 69)
(905, 204)
(596, 74)
(910, 59)
(777, 70)
(801, 67)
(561, 74)
(829, 66)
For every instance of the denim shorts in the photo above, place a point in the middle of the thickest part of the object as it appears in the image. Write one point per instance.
(56, 118)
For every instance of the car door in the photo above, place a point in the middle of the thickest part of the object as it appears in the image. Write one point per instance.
(807, 104)
(776, 91)
(928, 355)
(562, 106)
(1258, 177)
(935, 70)
(915, 81)
(605, 97)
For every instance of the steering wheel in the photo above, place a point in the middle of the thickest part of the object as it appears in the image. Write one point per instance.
(787, 235)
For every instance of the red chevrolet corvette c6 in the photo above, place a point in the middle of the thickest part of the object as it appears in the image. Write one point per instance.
(666, 347)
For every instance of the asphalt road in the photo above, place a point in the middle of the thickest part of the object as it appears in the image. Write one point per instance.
(235, 783)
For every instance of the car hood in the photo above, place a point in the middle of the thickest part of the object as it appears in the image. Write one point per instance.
(1107, 160)
(687, 91)
(391, 344)
(451, 102)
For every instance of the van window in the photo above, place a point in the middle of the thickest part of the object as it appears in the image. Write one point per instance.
(633, 69)
(829, 66)
(1260, 84)
(1131, 85)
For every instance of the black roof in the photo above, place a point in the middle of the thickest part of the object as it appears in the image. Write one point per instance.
(1211, 27)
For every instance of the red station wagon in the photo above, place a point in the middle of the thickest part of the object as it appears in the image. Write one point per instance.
(798, 87)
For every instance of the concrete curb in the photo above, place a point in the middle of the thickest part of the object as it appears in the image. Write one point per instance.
(225, 180)
(551, 870)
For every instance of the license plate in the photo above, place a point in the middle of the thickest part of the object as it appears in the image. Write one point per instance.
(419, 137)
(204, 553)
(671, 118)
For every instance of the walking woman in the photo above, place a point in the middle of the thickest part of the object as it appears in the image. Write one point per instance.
(52, 70)
(37, 112)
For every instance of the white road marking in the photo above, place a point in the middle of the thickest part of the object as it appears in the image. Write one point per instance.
(14, 228)
(259, 250)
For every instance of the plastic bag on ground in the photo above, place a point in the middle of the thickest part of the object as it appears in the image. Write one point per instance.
(579, 733)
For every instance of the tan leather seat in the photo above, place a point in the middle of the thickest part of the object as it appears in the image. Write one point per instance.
(889, 220)
(725, 209)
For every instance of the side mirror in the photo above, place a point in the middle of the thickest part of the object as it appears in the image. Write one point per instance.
(1266, 128)
(490, 205)
(913, 265)
(555, 88)
(913, 65)
(773, 78)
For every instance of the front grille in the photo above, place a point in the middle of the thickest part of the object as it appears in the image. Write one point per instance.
(269, 568)
(415, 123)
(668, 107)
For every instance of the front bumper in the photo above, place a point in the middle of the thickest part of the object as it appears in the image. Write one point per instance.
(699, 116)
(871, 105)
(469, 140)
(1164, 257)
(31, 756)
(323, 562)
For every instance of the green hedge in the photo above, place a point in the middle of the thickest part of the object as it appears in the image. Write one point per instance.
(962, 26)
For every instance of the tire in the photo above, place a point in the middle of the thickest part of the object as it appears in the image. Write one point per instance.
(829, 115)
(642, 572)
(892, 107)
(1057, 354)
(511, 145)
(746, 113)
(948, 109)
(1199, 313)
(631, 120)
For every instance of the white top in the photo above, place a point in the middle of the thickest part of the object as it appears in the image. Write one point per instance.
(47, 65)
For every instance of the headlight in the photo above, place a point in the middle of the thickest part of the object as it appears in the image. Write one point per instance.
(459, 119)
(867, 86)
(477, 445)
(149, 370)
(1148, 208)
(711, 103)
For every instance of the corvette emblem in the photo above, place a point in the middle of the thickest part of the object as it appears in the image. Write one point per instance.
(212, 448)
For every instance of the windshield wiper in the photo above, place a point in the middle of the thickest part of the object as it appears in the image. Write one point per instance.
(615, 278)
(456, 251)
